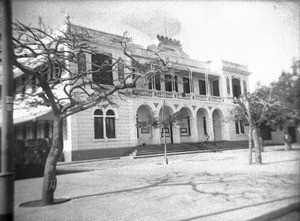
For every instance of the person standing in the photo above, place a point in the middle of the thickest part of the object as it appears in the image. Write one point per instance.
(287, 141)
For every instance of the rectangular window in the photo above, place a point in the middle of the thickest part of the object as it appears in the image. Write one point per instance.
(204, 126)
(150, 84)
(266, 132)
(157, 82)
(175, 83)
(189, 126)
(81, 62)
(186, 85)
(216, 91)
(121, 70)
(98, 123)
(237, 129)
(168, 82)
(46, 129)
(242, 128)
(110, 127)
(102, 64)
(202, 87)
(236, 90)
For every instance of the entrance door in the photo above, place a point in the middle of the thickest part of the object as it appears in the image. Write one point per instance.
(292, 133)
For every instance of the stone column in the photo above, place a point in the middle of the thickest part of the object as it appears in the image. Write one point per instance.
(242, 86)
(207, 85)
(194, 129)
(230, 85)
(210, 128)
(176, 133)
(156, 135)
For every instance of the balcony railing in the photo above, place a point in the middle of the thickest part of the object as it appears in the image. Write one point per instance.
(176, 95)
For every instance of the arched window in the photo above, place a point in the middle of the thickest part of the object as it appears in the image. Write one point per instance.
(104, 125)
(98, 124)
(110, 124)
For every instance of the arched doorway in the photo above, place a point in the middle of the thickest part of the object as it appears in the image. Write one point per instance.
(164, 115)
(218, 124)
(144, 133)
(202, 127)
(185, 125)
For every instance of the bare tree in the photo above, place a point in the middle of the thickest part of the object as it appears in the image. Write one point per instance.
(49, 60)
(254, 110)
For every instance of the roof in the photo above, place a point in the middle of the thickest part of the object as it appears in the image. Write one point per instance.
(30, 115)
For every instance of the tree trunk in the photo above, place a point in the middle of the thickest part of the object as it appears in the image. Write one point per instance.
(165, 146)
(49, 183)
(250, 144)
(261, 144)
(256, 145)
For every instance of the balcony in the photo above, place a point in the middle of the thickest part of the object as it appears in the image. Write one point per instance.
(175, 95)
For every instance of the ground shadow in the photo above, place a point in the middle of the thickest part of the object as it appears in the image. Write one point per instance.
(38, 203)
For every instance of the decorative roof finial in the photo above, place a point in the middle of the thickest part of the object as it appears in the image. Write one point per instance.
(68, 19)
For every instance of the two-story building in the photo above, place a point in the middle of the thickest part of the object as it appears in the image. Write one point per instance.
(203, 91)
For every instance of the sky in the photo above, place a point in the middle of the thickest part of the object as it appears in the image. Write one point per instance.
(264, 35)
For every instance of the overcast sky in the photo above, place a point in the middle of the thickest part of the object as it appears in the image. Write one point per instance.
(263, 35)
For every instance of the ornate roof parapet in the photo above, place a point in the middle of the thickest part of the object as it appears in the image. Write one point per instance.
(168, 41)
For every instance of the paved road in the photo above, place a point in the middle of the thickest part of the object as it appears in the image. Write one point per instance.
(207, 186)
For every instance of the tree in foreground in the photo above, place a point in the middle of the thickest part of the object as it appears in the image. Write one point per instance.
(275, 105)
(254, 110)
(52, 63)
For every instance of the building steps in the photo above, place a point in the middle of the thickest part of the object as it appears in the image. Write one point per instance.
(155, 150)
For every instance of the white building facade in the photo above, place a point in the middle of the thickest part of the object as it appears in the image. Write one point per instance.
(203, 91)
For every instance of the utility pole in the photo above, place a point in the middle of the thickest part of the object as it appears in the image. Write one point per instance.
(7, 143)
(164, 131)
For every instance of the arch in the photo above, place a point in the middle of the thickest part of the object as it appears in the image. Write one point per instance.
(144, 133)
(186, 124)
(202, 124)
(98, 112)
(164, 114)
(110, 112)
(218, 124)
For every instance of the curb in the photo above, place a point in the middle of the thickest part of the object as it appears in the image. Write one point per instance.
(278, 213)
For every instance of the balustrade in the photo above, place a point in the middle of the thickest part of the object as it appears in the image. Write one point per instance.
(176, 95)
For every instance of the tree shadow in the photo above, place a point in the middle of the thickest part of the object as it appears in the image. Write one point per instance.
(282, 161)
(239, 208)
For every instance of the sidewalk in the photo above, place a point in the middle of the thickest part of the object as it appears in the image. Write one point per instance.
(203, 186)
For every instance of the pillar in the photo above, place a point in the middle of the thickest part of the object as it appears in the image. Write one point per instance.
(210, 128)
(176, 133)
(194, 129)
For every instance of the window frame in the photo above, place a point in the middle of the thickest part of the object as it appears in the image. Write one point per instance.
(107, 119)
